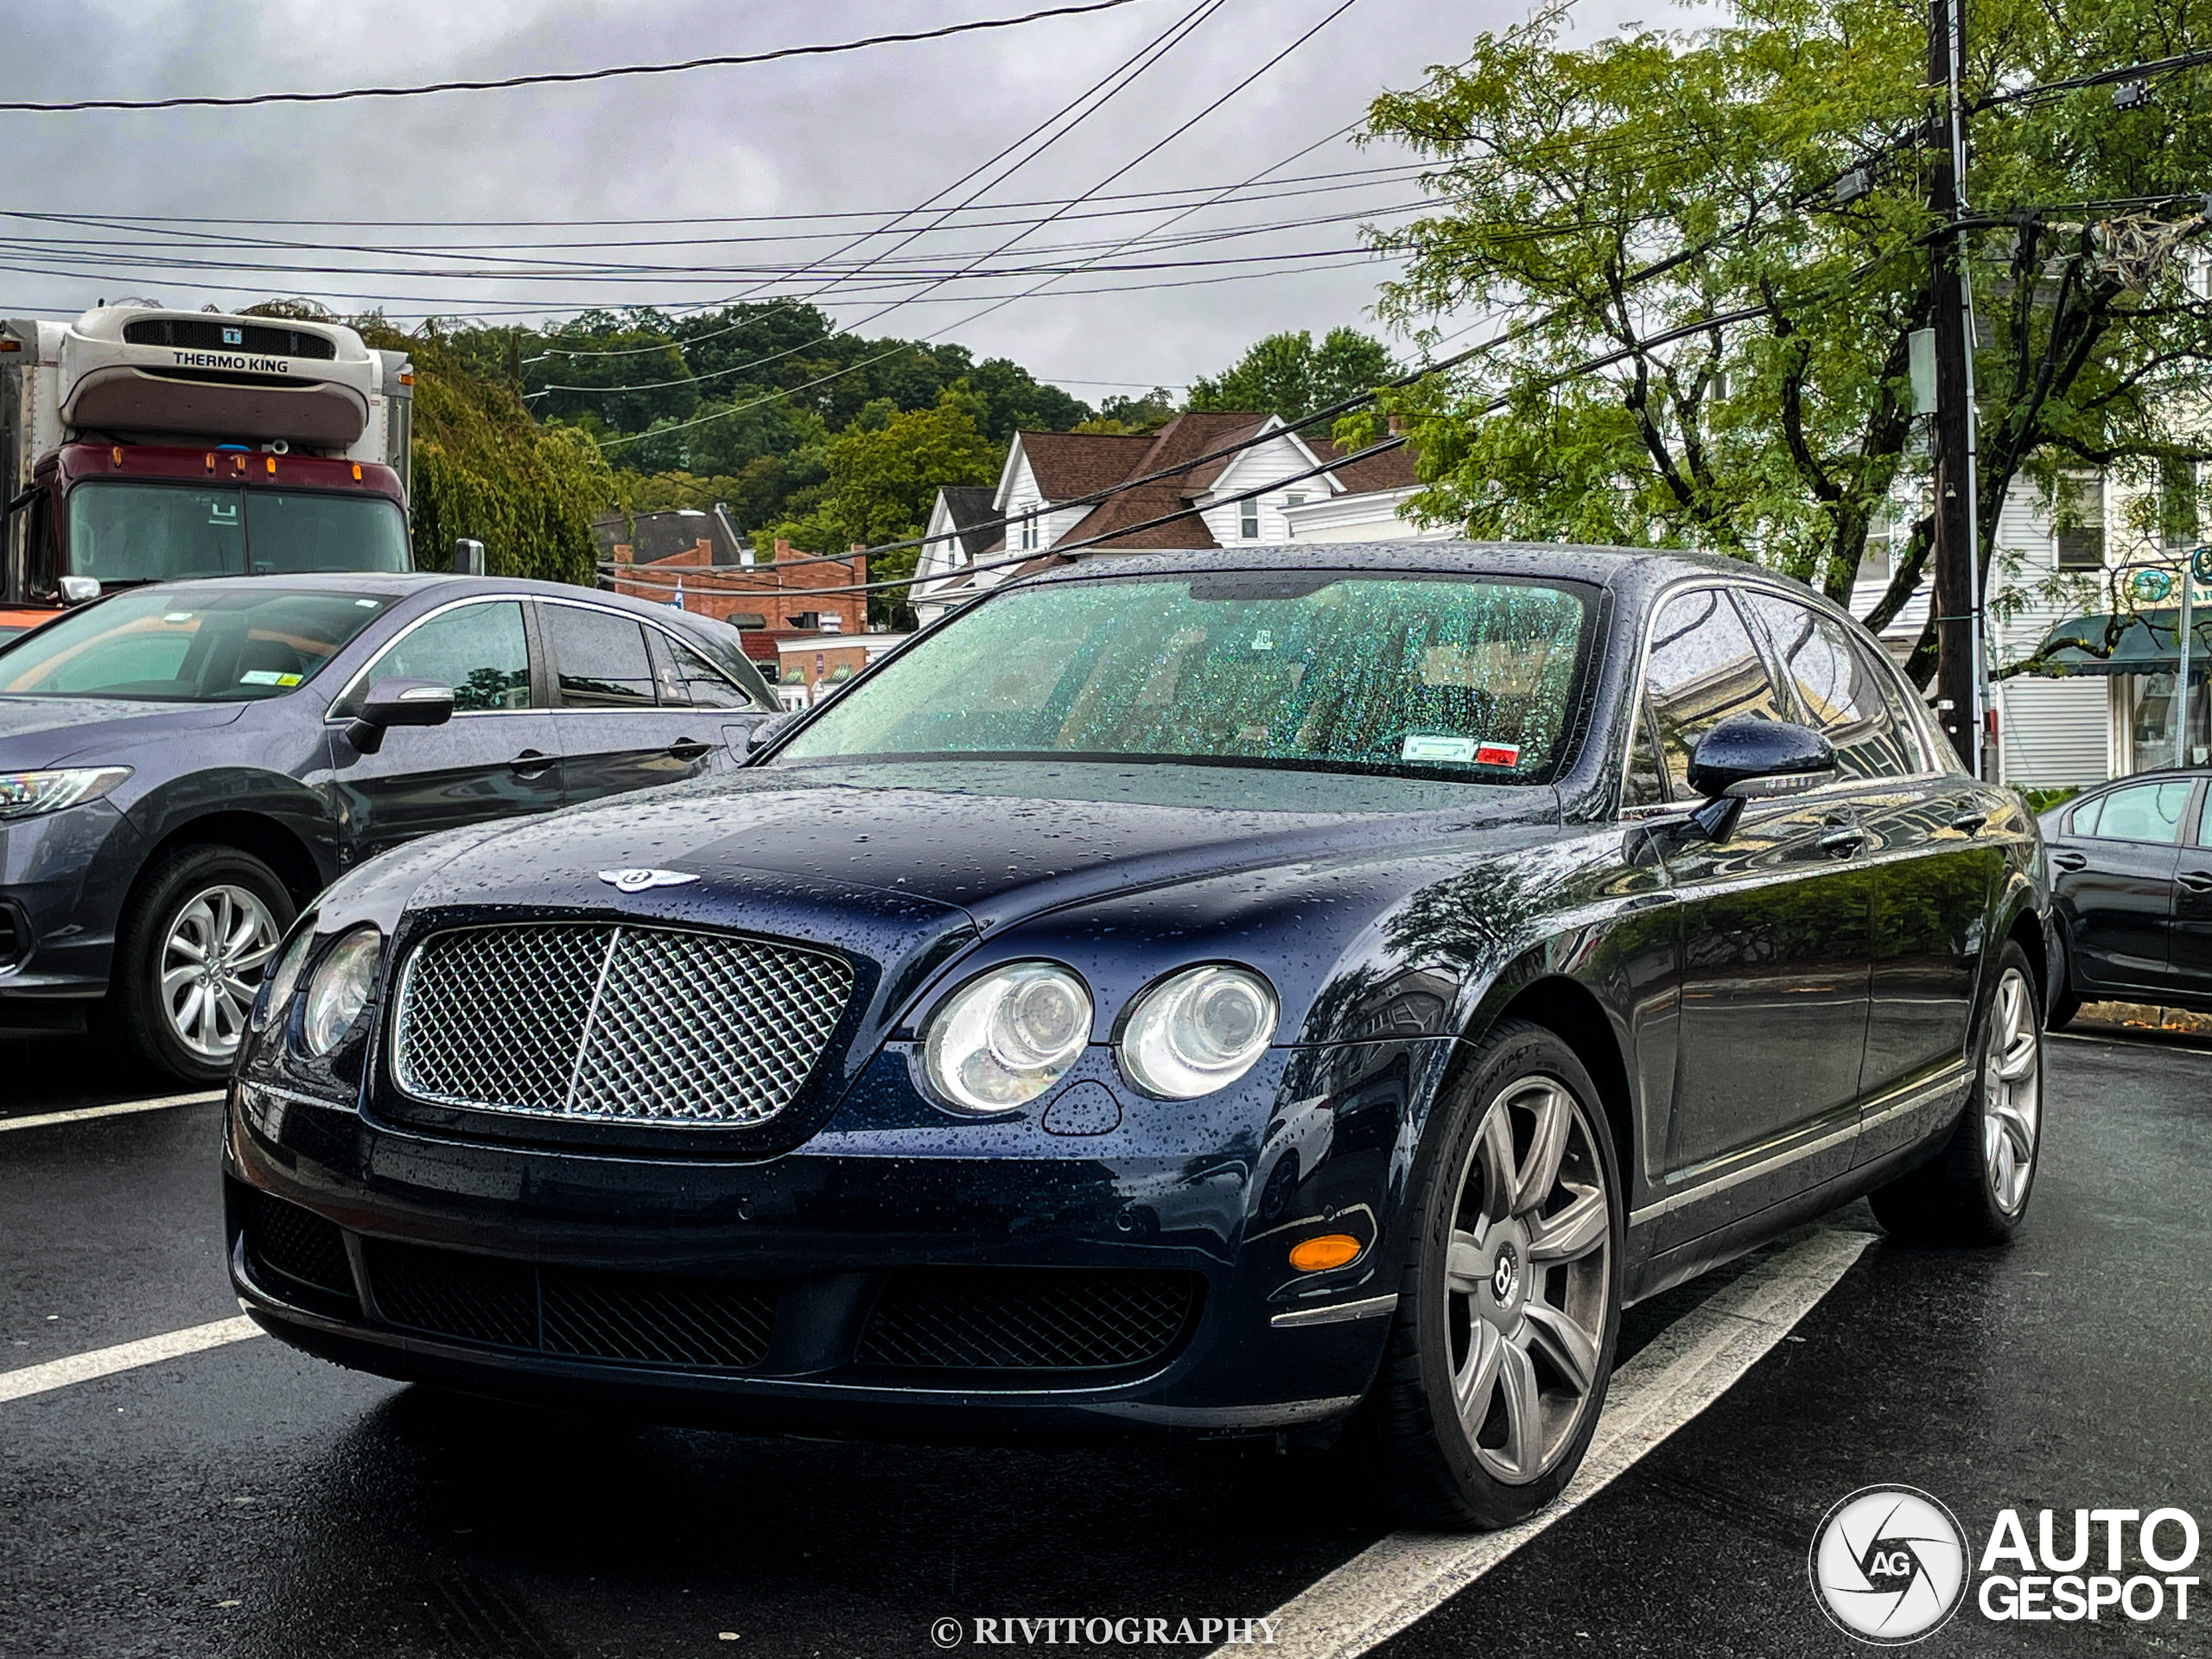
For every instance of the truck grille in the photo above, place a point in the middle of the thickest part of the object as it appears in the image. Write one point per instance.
(1027, 1318)
(645, 1318)
(206, 334)
(618, 1022)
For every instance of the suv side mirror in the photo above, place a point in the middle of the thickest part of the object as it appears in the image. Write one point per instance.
(398, 702)
(1747, 758)
(80, 590)
(762, 734)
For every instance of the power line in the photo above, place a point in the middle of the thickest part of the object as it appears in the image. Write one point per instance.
(1146, 153)
(564, 78)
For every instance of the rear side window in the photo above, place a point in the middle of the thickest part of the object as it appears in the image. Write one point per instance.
(2140, 812)
(598, 656)
(480, 650)
(1702, 670)
(688, 681)
(1837, 692)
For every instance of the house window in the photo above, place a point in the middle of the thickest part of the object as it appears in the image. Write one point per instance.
(1247, 520)
(1293, 499)
(1028, 533)
(2178, 525)
(2081, 527)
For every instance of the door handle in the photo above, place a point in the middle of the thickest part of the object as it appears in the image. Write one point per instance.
(2196, 881)
(685, 749)
(1967, 823)
(1842, 841)
(530, 763)
(2070, 860)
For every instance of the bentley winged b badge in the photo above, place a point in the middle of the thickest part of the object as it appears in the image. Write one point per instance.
(638, 881)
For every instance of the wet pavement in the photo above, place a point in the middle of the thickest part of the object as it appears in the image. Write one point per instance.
(249, 1502)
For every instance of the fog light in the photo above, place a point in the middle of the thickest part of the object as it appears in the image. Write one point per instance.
(1319, 1254)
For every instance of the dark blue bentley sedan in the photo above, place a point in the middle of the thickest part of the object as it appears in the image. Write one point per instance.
(1227, 992)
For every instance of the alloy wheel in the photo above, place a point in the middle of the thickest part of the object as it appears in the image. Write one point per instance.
(1527, 1279)
(2012, 1093)
(213, 958)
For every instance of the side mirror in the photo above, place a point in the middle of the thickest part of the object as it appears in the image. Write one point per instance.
(762, 734)
(80, 590)
(1747, 758)
(468, 558)
(398, 702)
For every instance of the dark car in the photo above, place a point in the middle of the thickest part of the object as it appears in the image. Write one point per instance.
(2130, 885)
(183, 767)
(1226, 992)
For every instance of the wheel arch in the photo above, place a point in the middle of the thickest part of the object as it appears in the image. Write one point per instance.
(269, 839)
(1572, 1011)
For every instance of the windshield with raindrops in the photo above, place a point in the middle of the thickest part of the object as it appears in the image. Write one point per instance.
(1432, 676)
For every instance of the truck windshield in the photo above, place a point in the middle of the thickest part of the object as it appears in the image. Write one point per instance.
(208, 644)
(166, 532)
(1467, 679)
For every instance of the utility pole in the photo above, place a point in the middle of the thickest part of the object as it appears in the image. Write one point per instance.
(1956, 597)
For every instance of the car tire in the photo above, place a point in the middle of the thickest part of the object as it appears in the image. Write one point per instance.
(1509, 1297)
(1976, 1190)
(194, 896)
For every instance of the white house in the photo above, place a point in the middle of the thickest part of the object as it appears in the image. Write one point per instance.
(1047, 498)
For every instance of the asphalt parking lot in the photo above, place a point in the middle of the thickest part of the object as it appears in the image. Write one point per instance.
(243, 1500)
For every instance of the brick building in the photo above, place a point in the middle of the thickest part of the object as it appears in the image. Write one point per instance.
(698, 560)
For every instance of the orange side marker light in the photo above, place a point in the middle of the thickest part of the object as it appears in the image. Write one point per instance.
(1319, 1254)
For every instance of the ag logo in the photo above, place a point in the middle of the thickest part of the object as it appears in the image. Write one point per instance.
(1889, 1565)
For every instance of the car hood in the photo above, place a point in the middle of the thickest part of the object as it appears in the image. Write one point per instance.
(999, 841)
(50, 731)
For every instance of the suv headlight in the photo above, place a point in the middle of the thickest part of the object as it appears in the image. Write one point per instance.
(1197, 1031)
(27, 794)
(1007, 1036)
(339, 988)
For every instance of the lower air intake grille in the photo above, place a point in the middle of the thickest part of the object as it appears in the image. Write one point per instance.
(14, 937)
(1023, 1319)
(649, 1319)
(296, 1243)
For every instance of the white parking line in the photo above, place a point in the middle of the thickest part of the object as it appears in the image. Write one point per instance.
(124, 1357)
(1681, 1371)
(119, 1109)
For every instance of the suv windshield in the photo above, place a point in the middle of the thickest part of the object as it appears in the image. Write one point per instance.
(187, 646)
(1434, 676)
(166, 532)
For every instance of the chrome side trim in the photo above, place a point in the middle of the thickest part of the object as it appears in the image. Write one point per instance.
(1297, 1318)
(1902, 1100)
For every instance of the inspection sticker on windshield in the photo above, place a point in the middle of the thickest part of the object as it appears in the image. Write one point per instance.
(1429, 746)
(1497, 754)
(267, 676)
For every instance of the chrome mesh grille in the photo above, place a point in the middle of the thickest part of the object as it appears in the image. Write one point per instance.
(614, 1022)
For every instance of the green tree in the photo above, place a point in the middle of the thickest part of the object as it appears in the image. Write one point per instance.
(482, 467)
(1290, 376)
(882, 478)
(1673, 197)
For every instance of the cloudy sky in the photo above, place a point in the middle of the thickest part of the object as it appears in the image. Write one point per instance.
(864, 135)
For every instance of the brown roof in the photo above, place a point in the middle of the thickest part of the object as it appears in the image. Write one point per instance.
(1180, 443)
(1391, 470)
(1069, 464)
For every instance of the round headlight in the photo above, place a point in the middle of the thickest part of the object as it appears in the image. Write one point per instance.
(1007, 1037)
(1197, 1031)
(286, 978)
(339, 986)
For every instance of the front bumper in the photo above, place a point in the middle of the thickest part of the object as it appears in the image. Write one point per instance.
(1211, 1194)
(63, 878)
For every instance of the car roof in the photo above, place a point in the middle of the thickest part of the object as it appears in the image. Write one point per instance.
(407, 584)
(1633, 572)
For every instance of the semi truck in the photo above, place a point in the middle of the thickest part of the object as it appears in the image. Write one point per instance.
(139, 444)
